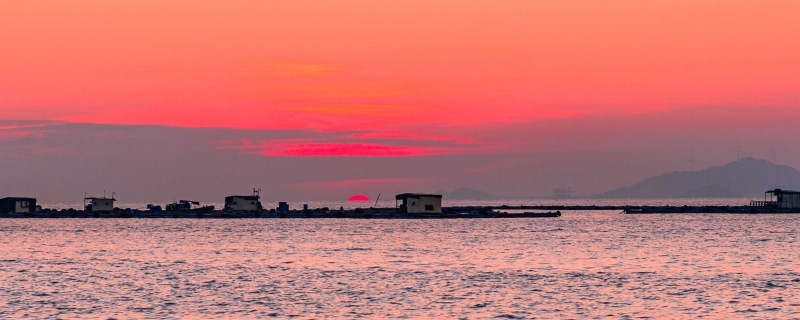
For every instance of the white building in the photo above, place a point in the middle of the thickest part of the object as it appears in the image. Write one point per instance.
(419, 203)
(243, 203)
(100, 204)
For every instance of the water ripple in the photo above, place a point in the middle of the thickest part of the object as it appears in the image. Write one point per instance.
(583, 265)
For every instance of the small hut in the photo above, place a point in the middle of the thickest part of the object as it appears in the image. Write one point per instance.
(17, 205)
(419, 203)
(785, 199)
(97, 204)
(244, 203)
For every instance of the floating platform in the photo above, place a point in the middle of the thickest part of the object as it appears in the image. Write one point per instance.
(658, 209)
(323, 213)
(708, 209)
(472, 212)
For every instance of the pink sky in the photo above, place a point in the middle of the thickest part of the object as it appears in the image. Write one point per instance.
(511, 96)
(396, 69)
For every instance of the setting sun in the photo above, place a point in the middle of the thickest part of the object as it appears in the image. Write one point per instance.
(358, 197)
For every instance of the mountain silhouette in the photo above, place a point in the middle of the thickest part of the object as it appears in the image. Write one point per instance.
(748, 177)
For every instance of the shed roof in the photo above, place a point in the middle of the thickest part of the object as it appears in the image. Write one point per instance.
(99, 198)
(417, 195)
(17, 199)
(244, 197)
(779, 191)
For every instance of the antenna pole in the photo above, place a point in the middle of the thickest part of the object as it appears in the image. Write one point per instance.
(376, 200)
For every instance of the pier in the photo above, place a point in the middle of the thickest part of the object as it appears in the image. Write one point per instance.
(408, 206)
(462, 212)
(319, 213)
(629, 209)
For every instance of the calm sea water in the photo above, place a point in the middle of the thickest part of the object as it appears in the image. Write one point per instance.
(582, 265)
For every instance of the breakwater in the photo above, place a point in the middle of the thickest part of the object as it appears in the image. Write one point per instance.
(455, 212)
(319, 213)
(659, 209)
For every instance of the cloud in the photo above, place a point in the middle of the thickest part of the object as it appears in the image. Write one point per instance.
(363, 183)
(17, 130)
(313, 148)
(358, 109)
(376, 143)
(414, 135)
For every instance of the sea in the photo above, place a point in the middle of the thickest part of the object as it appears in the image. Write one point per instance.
(583, 265)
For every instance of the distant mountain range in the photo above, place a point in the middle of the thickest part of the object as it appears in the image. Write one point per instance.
(747, 177)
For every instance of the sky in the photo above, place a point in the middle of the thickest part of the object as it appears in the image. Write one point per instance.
(326, 99)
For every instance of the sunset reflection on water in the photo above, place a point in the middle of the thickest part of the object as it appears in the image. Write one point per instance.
(584, 264)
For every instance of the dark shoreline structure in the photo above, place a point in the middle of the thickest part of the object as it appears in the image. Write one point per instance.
(414, 206)
(392, 213)
(371, 213)
(18, 205)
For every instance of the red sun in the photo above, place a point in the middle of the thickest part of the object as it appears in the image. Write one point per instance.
(358, 197)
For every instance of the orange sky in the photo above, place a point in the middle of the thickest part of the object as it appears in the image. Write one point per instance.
(394, 68)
